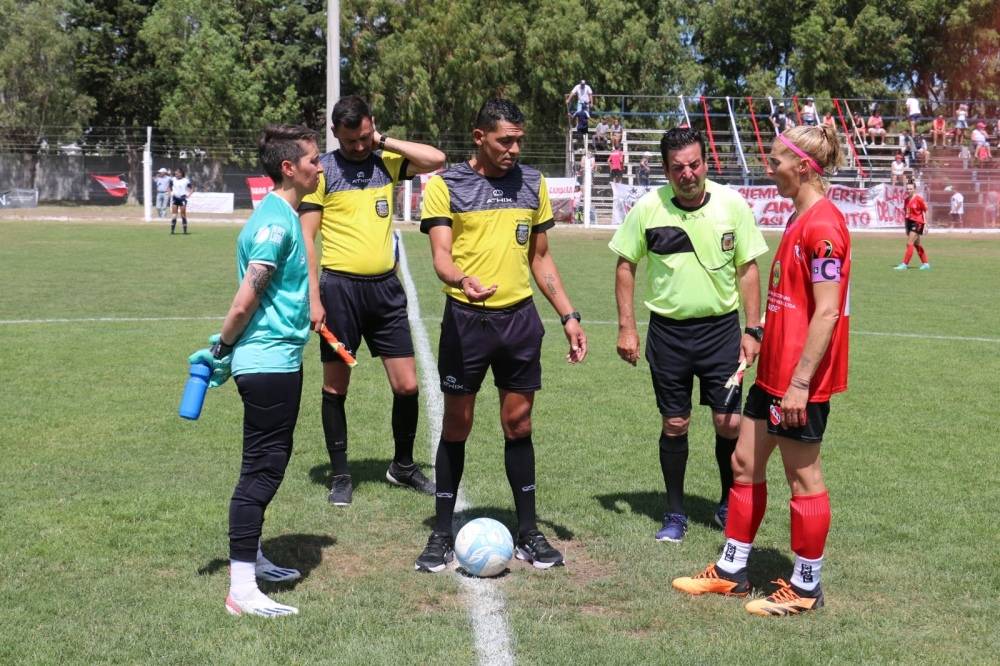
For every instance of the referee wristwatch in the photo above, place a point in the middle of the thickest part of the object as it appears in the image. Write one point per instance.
(381, 142)
(571, 315)
(757, 332)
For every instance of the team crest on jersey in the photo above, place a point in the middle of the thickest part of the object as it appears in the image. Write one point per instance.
(382, 207)
(798, 253)
(521, 233)
(822, 249)
(728, 242)
(776, 274)
(775, 412)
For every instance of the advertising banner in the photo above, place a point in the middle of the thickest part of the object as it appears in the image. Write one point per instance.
(19, 198)
(259, 187)
(210, 202)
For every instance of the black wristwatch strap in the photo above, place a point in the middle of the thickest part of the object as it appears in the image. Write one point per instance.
(757, 332)
(571, 315)
(381, 142)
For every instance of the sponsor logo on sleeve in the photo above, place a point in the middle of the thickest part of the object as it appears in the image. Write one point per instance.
(822, 249)
(262, 235)
(521, 233)
(277, 235)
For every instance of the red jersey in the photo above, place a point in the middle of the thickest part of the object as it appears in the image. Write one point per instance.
(615, 159)
(814, 248)
(915, 209)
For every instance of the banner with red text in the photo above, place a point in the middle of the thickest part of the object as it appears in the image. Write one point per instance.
(561, 196)
(878, 207)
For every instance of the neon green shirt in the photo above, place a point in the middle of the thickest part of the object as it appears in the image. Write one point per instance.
(691, 255)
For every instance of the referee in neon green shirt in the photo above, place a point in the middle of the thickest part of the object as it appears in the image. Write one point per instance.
(700, 242)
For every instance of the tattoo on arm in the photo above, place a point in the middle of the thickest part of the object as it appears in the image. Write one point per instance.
(550, 283)
(260, 277)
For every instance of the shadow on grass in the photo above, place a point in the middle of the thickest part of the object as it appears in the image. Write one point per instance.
(767, 564)
(298, 551)
(366, 470)
(654, 505)
(508, 517)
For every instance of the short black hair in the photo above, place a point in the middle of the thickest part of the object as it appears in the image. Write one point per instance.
(496, 110)
(680, 137)
(349, 112)
(281, 143)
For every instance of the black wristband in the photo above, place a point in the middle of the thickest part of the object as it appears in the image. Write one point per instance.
(464, 278)
(221, 349)
(381, 142)
(571, 315)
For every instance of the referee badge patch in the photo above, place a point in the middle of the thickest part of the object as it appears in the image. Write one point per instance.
(382, 207)
(728, 242)
(521, 233)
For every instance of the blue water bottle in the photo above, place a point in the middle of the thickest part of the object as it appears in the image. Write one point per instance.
(194, 391)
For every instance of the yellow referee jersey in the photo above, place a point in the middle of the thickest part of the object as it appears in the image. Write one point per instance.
(356, 200)
(491, 221)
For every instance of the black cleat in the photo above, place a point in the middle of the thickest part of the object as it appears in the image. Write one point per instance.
(342, 490)
(439, 552)
(533, 547)
(411, 476)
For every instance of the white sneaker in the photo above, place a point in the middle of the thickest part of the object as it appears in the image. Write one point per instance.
(260, 604)
(275, 574)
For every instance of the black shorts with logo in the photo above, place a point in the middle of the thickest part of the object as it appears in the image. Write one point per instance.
(372, 307)
(180, 201)
(912, 225)
(764, 406)
(678, 350)
(474, 339)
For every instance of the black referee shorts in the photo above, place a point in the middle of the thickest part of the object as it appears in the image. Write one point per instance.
(506, 340)
(678, 350)
(362, 306)
(764, 406)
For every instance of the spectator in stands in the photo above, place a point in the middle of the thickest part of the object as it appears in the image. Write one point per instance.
(860, 129)
(644, 169)
(616, 160)
(809, 114)
(616, 133)
(908, 147)
(601, 134)
(829, 120)
(992, 209)
(162, 180)
(957, 207)
(779, 118)
(980, 144)
(588, 159)
(938, 131)
(583, 93)
(898, 170)
(961, 124)
(582, 118)
(913, 113)
(923, 151)
(876, 129)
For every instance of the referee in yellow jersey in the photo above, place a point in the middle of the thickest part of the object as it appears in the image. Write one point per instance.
(358, 294)
(487, 219)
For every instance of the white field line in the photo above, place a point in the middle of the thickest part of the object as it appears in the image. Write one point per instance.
(431, 383)
(482, 598)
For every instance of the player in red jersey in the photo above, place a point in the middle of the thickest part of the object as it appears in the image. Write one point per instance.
(914, 211)
(802, 362)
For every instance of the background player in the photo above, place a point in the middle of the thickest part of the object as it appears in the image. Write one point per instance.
(914, 211)
(487, 219)
(803, 361)
(261, 344)
(700, 242)
(180, 189)
(358, 295)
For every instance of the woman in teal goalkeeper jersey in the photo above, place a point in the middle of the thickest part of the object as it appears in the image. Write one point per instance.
(260, 345)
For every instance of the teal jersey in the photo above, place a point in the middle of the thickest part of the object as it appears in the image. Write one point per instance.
(279, 329)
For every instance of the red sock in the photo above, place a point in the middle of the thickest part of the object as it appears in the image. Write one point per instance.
(923, 255)
(810, 524)
(909, 254)
(747, 503)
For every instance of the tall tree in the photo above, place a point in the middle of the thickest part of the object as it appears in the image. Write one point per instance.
(38, 89)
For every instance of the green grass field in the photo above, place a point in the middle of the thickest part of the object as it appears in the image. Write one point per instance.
(113, 511)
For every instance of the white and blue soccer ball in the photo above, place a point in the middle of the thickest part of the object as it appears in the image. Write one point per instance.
(484, 547)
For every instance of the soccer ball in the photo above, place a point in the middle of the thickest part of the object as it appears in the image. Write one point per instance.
(484, 547)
